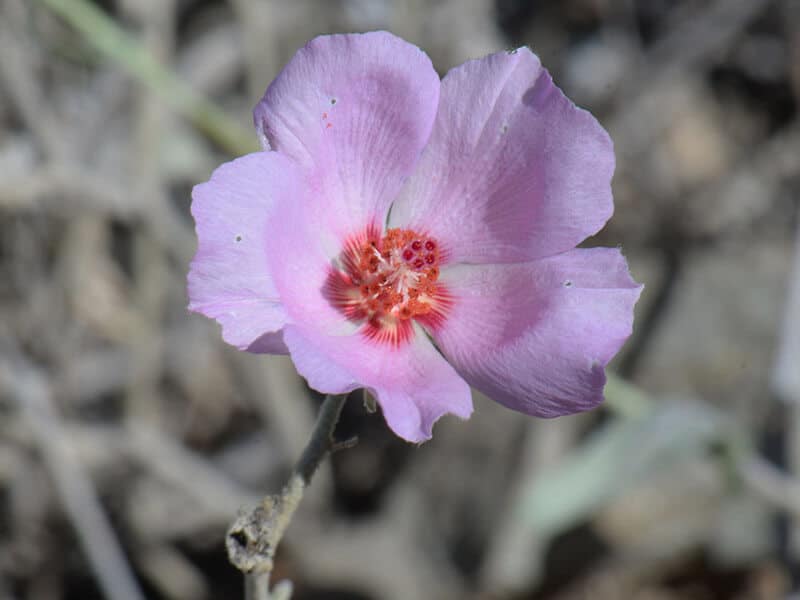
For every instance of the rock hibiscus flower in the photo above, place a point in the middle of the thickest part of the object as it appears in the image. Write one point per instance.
(414, 237)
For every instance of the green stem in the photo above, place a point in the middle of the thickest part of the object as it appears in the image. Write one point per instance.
(115, 43)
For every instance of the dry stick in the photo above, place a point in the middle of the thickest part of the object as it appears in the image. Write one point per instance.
(150, 271)
(17, 73)
(290, 424)
(254, 536)
(770, 484)
(785, 375)
(694, 43)
(786, 384)
(72, 484)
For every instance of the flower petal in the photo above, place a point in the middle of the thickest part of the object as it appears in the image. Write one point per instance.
(229, 278)
(536, 336)
(300, 265)
(356, 111)
(413, 384)
(513, 171)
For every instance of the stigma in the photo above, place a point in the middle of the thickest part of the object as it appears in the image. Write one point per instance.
(386, 283)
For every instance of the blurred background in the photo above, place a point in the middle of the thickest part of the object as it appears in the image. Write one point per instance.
(130, 434)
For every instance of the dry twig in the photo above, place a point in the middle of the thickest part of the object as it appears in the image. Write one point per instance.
(32, 393)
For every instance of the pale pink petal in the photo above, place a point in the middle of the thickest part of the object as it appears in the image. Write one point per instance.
(536, 336)
(514, 170)
(355, 111)
(229, 278)
(300, 262)
(413, 384)
(310, 360)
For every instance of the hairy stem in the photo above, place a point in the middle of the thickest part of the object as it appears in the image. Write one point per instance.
(255, 534)
(321, 442)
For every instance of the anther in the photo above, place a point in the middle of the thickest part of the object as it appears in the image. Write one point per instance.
(386, 281)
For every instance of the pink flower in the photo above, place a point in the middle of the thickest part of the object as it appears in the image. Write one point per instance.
(414, 236)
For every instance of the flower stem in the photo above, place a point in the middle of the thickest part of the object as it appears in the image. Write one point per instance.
(321, 442)
(256, 586)
(254, 536)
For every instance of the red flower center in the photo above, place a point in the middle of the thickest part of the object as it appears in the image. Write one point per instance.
(386, 282)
